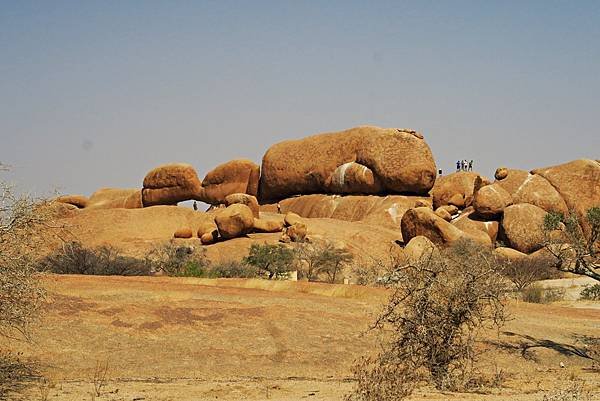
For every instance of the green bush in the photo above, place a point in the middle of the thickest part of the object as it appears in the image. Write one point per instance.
(233, 269)
(591, 293)
(574, 242)
(192, 269)
(274, 260)
(179, 261)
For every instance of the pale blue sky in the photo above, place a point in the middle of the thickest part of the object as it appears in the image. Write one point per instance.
(95, 94)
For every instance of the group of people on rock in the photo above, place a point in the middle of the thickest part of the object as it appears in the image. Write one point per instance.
(464, 165)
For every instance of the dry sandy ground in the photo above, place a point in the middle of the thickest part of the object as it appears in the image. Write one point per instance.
(195, 339)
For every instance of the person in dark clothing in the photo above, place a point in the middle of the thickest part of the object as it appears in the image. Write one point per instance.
(471, 165)
(458, 165)
(195, 206)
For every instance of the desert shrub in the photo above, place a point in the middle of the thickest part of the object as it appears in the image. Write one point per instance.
(526, 271)
(74, 258)
(21, 294)
(14, 373)
(533, 294)
(274, 260)
(179, 261)
(538, 295)
(321, 259)
(365, 273)
(376, 272)
(591, 293)
(554, 295)
(430, 324)
(191, 268)
(233, 269)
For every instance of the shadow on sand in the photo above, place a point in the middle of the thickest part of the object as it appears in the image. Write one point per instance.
(526, 344)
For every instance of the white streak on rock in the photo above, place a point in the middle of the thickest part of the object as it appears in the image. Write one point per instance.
(341, 173)
(393, 212)
(529, 178)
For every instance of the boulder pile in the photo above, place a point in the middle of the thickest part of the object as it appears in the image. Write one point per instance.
(510, 211)
(384, 178)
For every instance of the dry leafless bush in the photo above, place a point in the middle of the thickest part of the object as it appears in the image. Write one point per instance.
(74, 258)
(14, 373)
(526, 271)
(430, 324)
(21, 295)
(377, 272)
(537, 294)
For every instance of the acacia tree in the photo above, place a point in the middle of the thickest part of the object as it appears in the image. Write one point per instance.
(573, 250)
(315, 259)
(333, 260)
(431, 322)
(273, 259)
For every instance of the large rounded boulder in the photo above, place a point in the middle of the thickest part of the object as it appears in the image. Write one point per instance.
(80, 201)
(383, 211)
(235, 176)
(268, 225)
(115, 198)
(490, 201)
(455, 189)
(469, 221)
(244, 199)
(234, 221)
(510, 179)
(359, 160)
(522, 227)
(537, 191)
(423, 221)
(509, 255)
(578, 183)
(418, 248)
(169, 184)
(208, 231)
